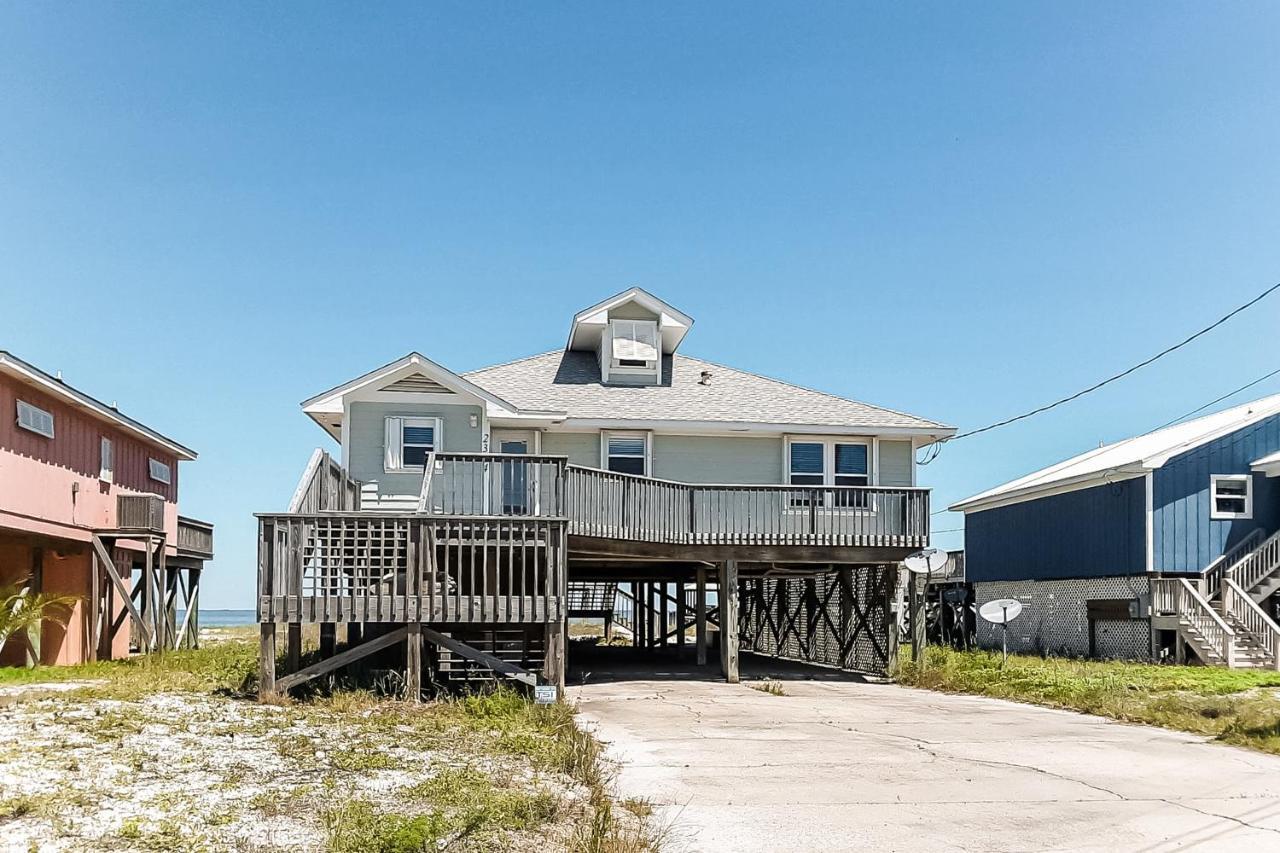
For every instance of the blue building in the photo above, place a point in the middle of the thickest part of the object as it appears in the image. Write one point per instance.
(1157, 546)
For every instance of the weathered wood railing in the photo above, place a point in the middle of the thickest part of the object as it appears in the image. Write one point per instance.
(195, 537)
(625, 506)
(397, 567)
(325, 485)
(1255, 566)
(1239, 605)
(493, 484)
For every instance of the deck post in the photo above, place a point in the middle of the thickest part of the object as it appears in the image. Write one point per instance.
(293, 647)
(413, 662)
(267, 660)
(328, 639)
(700, 615)
(554, 662)
(891, 607)
(681, 615)
(355, 634)
(729, 619)
(664, 616)
(917, 618)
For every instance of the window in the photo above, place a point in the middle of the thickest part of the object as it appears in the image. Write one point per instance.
(1231, 496)
(634, 344)
(159, 471)
(106, 472)
(35, 419)
(827, 462)
(409, 443)
(627, 453)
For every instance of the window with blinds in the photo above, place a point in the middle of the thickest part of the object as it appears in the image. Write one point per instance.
(35, 419)
(829, 463)
(409, 443)
(159, 471)
(107, 465)
(627, 454)
(634, 343)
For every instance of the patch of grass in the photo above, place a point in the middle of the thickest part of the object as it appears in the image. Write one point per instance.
(773, 688)
(12, 808)
(360, 758)
(1236, 706)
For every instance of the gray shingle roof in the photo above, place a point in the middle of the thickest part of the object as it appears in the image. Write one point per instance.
(570, 382)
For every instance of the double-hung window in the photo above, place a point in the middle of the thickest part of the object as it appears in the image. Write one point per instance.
(409, 443)
(627, 453)
(1231, 496)
(828, 462)
(35, 419)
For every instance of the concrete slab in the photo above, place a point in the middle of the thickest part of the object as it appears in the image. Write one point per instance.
(842, 765)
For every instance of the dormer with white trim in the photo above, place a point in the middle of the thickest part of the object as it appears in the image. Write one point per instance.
(630, 333)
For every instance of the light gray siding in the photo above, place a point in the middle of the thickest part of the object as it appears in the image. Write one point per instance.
(717, 459)
(582, 448)
(368, 447)
(896, 459)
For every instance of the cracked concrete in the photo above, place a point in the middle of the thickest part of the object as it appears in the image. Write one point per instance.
(840, 765)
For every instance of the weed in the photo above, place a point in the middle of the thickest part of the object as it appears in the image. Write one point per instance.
(773, 688)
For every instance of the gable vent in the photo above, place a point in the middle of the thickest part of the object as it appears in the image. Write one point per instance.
(418, 384)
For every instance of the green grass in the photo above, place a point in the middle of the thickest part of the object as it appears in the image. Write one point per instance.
(1234, 706)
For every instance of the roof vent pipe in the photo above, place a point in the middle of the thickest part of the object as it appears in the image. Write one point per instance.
(706, 378)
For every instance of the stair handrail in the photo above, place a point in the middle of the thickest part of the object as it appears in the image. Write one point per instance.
(1262, 561)
(1215, 630)
(428, 474)
(1217, 570)
(1239, 604)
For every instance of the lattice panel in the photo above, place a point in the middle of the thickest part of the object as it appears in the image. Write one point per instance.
(340, 558)
(840, 618)
(1055, 618)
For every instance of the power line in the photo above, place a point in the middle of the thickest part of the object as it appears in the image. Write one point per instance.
(1220, 399)
(937, 447)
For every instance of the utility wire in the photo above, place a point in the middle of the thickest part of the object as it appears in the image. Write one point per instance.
(937, 447)
(1220, 399)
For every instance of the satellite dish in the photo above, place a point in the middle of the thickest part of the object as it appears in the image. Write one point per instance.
(926, 562)
(1002, 611)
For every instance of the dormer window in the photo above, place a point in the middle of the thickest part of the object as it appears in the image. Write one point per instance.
(634, 345)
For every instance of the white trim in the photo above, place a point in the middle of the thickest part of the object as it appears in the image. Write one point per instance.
(31, 374)
(155, 468)
(594, 320)
(32, 418)
(731, 428)
(330, 401)
(1214, 480)
(393, 430)
(1150, 515)
(645, 436)
(828, 456)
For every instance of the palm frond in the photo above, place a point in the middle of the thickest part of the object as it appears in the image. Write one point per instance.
(21, 609)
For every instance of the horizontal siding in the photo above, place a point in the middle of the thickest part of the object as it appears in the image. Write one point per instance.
(582, 448)
(77, 442)
(1186, 538)
(1098, 532)
(896, 460)
(717, 459)
(368, 447)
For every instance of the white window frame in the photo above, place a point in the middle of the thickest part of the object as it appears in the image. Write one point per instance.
(32, 414)
(393, 429)
(1214, 480)
(828, 468)
(156, 467)
(647, 437)
(649, 367)
(107, 460)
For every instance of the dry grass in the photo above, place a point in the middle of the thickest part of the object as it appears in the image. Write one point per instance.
(773, 688)
(1235, 706)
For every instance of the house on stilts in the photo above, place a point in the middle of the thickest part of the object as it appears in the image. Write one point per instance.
(468, 516)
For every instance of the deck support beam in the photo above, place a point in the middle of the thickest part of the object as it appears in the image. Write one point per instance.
(293, 647)
(413, 662)
(700, 615)
(729, 619)
(554, 663)
(266, 660)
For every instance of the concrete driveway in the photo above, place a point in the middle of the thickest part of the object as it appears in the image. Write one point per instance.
(842, 765)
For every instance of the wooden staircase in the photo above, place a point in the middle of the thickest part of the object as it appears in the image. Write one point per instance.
(1220, 618)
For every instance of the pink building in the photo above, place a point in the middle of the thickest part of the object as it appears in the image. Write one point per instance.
(89, 508)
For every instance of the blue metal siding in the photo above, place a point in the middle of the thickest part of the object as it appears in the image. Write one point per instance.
(1186, 538)
(1097, 532)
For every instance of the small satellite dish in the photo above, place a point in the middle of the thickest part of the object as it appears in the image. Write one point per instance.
(1002, 611)
(926, 562)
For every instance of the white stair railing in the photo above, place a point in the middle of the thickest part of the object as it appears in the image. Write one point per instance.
(1214, 572)
(1239, 605)
(1216, 633)
(1257, 565)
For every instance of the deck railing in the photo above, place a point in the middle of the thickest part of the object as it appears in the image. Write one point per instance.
(1211, 577)
(396, 567)
(625, 506)
(195, 537)
(1176, 596)
(325, 485)
(1255, 566)
(1253, 619)
(493, 484)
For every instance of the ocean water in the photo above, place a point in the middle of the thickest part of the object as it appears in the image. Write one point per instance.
(223, 618)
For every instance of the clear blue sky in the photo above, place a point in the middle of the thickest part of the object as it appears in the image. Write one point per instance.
(209, 213)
